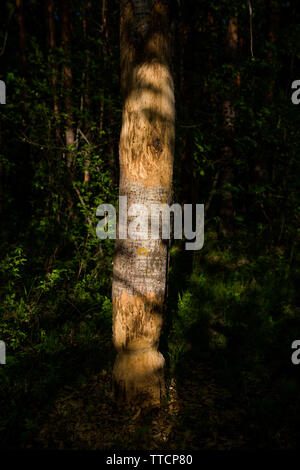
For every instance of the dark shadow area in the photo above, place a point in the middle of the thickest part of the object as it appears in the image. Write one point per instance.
(232, 309)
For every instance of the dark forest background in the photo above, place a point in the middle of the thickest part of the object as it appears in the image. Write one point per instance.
(233, 309)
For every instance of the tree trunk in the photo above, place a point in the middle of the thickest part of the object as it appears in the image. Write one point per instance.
(87, 89)
(22, 40)
(187, 94)
(67, 75)
(106, 51)
(227, 209)
(261, 166)
(146, 167)
(52, 46)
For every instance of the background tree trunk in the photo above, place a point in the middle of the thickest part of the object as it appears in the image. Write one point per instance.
(227, 209)
(262, 164)
(146, 168)
(86, 101)
(22, 39)
(52, 46)
(67, 75)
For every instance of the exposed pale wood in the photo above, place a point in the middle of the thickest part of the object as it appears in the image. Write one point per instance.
(146, 168)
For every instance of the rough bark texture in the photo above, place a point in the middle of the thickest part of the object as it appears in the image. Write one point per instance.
(146, 166)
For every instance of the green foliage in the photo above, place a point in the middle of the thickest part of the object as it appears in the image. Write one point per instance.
(234, 304)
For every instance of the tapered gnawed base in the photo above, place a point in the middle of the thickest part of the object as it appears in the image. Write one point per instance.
(138, 377)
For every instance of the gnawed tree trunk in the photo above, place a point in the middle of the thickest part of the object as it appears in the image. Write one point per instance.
(146, 167)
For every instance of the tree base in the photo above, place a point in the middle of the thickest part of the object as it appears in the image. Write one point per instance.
(138, 378)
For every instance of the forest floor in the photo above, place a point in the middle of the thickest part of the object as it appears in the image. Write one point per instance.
(199, 413)
(230, 380)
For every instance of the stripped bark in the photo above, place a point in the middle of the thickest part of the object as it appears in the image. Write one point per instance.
(146, 167)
